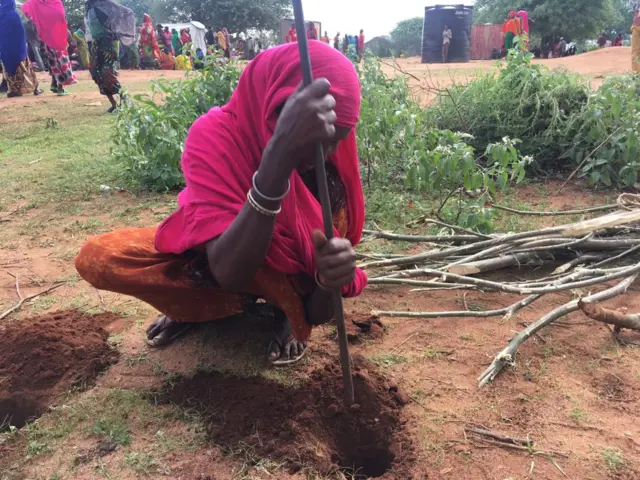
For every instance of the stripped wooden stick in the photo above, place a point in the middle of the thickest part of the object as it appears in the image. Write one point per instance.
(508, 355)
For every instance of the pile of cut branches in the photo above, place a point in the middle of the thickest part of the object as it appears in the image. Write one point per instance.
(598, 253)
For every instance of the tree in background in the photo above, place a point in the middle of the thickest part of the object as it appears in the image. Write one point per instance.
(575, 20)
(75, 12)
(237, 15)
(140, 7)
(407, 37)
(623, 16)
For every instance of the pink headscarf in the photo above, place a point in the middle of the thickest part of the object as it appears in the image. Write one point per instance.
(224, 148)
(525, 20)
(51, 23)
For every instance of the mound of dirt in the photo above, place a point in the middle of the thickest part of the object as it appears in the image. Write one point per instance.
(306, 427)
(43, 357)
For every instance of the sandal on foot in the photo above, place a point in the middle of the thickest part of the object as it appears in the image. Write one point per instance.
(165, 336)
(279, 362)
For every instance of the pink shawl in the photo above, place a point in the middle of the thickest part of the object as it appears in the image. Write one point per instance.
(525, 20)
(50, 20)
(224, 148)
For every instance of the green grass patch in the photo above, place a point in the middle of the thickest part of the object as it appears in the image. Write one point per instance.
(386, 360)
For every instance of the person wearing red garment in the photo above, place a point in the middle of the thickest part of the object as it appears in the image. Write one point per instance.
(361, 44)
(312, 31)
(292, 35)
(249, 222)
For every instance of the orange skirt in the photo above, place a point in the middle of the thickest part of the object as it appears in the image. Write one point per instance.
(181, 286)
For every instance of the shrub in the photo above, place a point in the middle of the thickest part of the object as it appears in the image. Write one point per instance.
(399, 148)
(604, 140)
(522, 101)
(387, 113)
(150, 130)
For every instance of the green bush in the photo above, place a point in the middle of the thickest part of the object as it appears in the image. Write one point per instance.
(523, 101)
(562, 122)
(604, 140)
(387, 113)
(150, 130)
(400, 148)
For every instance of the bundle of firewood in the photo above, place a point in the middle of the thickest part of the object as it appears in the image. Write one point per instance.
(600, 252)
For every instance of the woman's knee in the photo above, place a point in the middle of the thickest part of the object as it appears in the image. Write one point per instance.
(92, 262)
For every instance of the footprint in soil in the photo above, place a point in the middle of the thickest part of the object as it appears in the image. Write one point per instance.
(307, 425)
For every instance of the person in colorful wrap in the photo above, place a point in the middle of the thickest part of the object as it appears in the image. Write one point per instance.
(292, 34)
(227, 42)
(50, 21)
(166, 39)
(185, 37)
(176, 42)
(635, 41)
(312, 31)
(83, 49)
(108, 23)
(149, 43)
(248, 223)
(510, 30)
(523, 18)
(17, 69)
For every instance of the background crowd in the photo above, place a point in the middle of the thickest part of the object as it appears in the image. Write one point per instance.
(351, 45)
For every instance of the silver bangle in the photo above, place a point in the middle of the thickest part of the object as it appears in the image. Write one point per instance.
(264, 197)
(319, 283)
(259, 208)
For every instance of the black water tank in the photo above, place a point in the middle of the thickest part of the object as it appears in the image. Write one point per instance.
(459, 18)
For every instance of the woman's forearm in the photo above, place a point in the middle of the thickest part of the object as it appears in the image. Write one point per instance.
(236, 255)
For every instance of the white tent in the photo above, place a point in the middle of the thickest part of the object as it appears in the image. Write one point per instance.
(196, 29)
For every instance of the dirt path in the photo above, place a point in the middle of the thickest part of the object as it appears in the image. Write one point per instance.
(133, 81)
(596, 65)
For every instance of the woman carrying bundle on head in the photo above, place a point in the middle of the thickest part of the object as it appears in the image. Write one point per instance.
(50, 21)
(18, 72)
(108, 22)
(249, 222)
(149, 44)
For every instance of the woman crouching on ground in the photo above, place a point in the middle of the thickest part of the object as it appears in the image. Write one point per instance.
(249, 223)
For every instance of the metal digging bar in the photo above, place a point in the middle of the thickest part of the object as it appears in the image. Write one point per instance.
(323, 190)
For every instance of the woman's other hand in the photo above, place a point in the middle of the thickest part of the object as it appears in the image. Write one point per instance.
(335, 261)
(307, 119)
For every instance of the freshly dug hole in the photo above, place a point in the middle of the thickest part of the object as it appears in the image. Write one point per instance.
(305, 427)
(41, 358)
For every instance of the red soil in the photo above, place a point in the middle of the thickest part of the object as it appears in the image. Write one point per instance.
(307, 427)
(41, 358)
